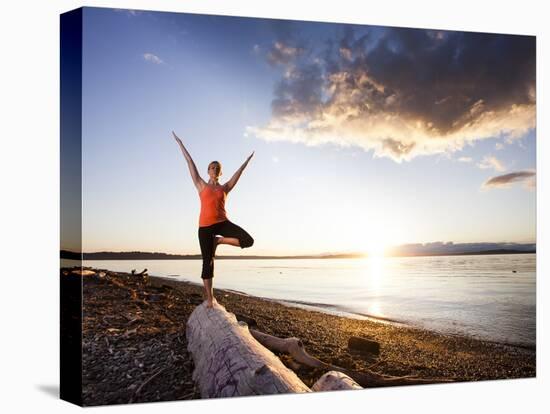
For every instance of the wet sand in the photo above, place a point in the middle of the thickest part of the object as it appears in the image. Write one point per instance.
(135, 350)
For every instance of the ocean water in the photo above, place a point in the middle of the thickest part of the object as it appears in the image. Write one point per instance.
(490, 297)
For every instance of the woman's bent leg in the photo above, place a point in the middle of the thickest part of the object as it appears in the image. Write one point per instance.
(235, 235)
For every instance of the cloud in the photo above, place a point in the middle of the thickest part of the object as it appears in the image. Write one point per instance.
(396, 148)
(440, 248)
(283, 54)
(503, 181)
(402, 93)
(465, 159)
(152, 58)
(490, 161)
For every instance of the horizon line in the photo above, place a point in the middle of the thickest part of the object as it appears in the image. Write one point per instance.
(433, 244)
(524, 249)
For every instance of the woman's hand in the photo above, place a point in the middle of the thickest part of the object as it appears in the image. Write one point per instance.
(177, 138)
(231, 183)
(250, 157)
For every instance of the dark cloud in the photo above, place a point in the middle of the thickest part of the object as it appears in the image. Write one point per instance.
(299, 92)
(286, 47)
(440, 77)
(283, 54)
(504, 180)
(402, 92)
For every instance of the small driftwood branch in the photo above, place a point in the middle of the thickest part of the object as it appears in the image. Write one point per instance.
(292, 346)
(295, 348)
(143, 274)
(83, 272)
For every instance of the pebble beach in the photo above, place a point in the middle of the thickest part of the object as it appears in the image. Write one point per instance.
(135, 349)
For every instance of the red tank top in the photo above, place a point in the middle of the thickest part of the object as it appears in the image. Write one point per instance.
(212, 205)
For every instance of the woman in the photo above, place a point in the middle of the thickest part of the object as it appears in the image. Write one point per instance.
(214, 227)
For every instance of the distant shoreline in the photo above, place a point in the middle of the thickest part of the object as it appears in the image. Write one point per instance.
(65, 254)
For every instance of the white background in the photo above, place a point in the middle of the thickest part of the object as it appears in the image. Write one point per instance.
(29, 174)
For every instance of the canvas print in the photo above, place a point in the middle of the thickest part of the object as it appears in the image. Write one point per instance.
(254, 206)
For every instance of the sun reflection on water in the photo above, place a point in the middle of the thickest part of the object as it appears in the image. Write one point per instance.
(374, 309)
(374, 273)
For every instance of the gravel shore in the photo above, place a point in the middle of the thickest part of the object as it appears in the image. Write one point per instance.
(135, 350)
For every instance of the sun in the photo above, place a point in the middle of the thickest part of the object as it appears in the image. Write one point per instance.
(378, 239)
(376, 249)
(376, 243)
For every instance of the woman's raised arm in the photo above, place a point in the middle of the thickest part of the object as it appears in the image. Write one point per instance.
(231, 183)
(197, 180)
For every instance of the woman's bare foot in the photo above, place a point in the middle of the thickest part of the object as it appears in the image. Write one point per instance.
(210, 302)
(217, 240)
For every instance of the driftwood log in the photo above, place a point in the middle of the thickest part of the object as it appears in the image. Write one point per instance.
(143, 274)
(334, 380)
(83, 272)
(229, 361)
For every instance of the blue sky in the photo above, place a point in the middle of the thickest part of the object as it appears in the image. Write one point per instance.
(362, 135)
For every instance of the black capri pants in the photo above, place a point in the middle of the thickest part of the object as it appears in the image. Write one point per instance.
(206, 240)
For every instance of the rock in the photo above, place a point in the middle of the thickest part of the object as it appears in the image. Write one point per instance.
(155, 297)
(363, 345)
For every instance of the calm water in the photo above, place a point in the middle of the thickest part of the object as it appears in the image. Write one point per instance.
(479, 296)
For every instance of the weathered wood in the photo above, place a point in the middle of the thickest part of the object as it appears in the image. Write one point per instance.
(143, 274)
(83, 272)
(334, 380)
(292, 346)
(230, 362)
(295, 348)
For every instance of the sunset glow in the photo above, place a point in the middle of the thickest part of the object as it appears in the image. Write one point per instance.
(354, 152)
